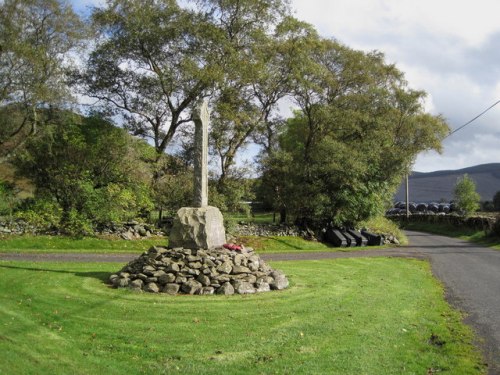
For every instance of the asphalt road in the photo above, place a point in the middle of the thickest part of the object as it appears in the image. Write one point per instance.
(470, 273)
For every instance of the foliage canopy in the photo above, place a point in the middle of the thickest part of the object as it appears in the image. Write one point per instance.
(466, 197)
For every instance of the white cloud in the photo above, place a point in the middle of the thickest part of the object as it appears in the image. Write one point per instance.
(471, 21)
(449, 49)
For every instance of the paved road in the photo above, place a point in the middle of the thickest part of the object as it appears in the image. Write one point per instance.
(470, 273)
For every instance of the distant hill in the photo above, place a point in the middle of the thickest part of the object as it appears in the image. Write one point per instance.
(439, 185)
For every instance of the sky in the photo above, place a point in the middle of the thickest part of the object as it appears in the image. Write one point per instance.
(448, 48)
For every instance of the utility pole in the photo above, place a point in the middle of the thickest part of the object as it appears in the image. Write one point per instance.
(407, 199)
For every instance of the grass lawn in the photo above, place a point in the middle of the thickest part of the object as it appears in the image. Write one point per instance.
(258, 218)
(52, 244)
(290, 244)
(477, 236)
(345, 316)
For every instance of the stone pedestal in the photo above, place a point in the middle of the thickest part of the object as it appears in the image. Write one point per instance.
(198, 228)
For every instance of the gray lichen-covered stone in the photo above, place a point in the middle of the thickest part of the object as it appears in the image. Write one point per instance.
(204, 280)
(243, 287)
(240, 269)
(263, 287)
(225, 267)
(151, 288)
(208, 290)
(171, 288)
(253, 263)
(191, 287)
(113, 277)
(166, 279)
(226, 289)
(121, 282)
(198, 227)
(280, 282)
(137, 284)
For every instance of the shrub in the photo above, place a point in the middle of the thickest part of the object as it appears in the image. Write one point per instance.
(43, 214)
(75, 224)
(7, 198)
(495, 229)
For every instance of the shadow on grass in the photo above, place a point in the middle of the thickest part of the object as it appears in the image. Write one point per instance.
(102, 276)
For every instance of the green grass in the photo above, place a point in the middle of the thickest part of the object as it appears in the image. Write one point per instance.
(346, 316)
(467, 234)
(291, 244)
(51, 244)
(258, 218)
(382, 225)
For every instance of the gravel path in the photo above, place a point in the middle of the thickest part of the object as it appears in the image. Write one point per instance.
(470, 273)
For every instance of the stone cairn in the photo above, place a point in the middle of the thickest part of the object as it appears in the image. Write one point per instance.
(189, 271)
(197, 261)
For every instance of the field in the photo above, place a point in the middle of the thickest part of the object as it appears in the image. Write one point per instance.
(347, 316)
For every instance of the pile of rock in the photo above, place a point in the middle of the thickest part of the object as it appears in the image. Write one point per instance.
(217, 271)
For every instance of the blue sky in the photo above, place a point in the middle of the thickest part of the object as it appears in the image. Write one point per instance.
(450, 49)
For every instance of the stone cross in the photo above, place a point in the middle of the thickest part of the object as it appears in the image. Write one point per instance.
(201, 117)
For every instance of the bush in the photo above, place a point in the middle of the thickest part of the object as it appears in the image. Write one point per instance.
(117, 203)
(495, 229)
(8, 198)
(43, 214)
(75, 224)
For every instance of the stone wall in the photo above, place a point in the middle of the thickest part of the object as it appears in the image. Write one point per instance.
(474, 222)
(127, 231)
(278, 230)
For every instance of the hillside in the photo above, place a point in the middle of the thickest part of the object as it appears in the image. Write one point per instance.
(24, 186)
(438, 185)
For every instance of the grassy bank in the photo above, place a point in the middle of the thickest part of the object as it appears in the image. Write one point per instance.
(50, 244)
(347, 316)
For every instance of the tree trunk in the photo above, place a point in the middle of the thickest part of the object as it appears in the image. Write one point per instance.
(283, 215)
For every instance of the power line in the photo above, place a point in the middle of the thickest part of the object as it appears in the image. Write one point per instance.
(474, 119)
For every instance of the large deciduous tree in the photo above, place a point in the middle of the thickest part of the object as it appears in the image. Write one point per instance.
(156, 58)
(36, 40)
(358, 131)
(153, 60)
(246, 105)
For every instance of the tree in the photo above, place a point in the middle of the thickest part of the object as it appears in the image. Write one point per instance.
(90, 170)
(358, 131)
(465, 195)
(156, 59)
(151, 63)
(36, 39)
(246, 104)
(496, 201)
